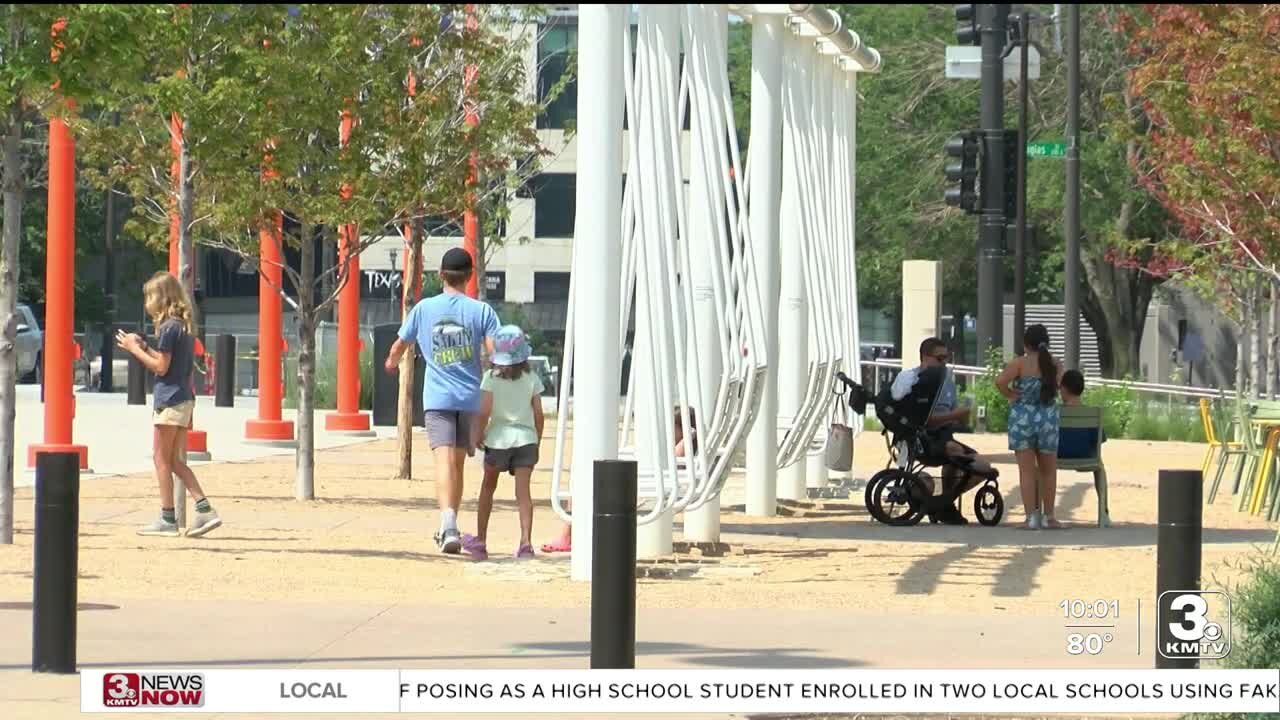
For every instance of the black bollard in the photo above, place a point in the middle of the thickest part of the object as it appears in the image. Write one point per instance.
(613, 566)
(137, 382)
(53, 638)
(385, 385)
(1177, 553)
(224, 368)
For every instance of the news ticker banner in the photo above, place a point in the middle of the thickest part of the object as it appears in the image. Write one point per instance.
(683, 691)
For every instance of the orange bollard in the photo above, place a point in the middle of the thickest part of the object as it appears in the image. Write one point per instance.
(60, 274)
(268, 426)
(348, 418)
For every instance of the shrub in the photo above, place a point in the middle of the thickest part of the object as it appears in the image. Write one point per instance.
(1256, 632)
(985, 393)
(1145, 424)
(1118, 406)
(1185, 424)
(1257, 617)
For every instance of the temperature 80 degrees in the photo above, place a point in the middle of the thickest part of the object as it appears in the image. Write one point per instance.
(1088, 644)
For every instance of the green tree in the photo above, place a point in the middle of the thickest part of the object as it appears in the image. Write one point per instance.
(92, 44)
(1209, 76)
(909, 109)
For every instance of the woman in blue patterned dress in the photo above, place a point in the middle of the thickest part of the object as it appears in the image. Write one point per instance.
(1030, 383)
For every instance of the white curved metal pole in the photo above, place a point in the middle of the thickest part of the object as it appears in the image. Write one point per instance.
(793, 318)
(703, 523)
(767, 33)
(598, 248)
(654, 539)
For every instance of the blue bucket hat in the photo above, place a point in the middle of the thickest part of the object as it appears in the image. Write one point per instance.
(510, 346)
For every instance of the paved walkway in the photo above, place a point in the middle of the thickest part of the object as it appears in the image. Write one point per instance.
(119, 439)
(349, 580)
(219, 634)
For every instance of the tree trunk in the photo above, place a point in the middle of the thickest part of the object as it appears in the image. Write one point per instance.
(186, 275)
(305, 487)
(1257, 363)
(1116, 307)
(186, 243)
(1274, 384)
(1242, 346)
(13, 191)
(329, 259)
(404, 416)
(1117, 298)
(1263, 351)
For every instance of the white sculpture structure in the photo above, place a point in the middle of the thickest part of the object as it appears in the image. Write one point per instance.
(741, 279)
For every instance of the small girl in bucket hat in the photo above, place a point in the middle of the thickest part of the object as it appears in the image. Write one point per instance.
(510, 419)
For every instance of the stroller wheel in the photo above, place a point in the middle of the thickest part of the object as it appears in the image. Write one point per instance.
(988, 505)
(890, 499)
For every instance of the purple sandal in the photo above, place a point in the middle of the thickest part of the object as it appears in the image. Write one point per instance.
(475, 547)
(524, 552)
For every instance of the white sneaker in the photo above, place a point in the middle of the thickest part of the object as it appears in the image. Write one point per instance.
(203, 523)
(159, 528)
(1034, 522)
(449, 540)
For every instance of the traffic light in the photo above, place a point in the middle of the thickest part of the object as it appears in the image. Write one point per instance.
(1011, 150)
(967, 25)
(962, 168)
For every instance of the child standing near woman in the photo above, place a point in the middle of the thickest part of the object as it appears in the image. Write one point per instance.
(1031, 384)
(171, 360)
(510, 420)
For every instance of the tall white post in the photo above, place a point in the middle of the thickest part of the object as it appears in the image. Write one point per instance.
(767, 32)
(703, 523)
(793, 313)
(657, 52)
(598, 246)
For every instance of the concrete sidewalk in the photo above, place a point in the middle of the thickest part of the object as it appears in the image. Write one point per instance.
(138, 633)
(118, 435)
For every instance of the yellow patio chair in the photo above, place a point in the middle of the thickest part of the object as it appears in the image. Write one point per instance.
(1211, 436)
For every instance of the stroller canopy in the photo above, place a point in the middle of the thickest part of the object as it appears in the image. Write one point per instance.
(912, 411)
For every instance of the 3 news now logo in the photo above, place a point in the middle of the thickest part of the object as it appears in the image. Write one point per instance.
(152, 690)
(1194, 624)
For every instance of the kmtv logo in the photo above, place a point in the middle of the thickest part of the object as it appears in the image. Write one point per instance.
(1194, 625)
(152, 690)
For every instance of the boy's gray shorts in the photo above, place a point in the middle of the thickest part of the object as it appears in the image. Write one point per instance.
(447, 428)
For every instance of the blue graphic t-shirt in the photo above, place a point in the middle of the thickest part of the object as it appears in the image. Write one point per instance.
(450, 329)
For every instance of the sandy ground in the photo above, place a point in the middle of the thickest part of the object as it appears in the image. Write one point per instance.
(367, 539)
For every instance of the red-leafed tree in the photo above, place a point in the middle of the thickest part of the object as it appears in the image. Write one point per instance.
(1209, 80)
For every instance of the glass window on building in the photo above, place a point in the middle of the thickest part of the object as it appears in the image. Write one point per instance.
(550, 286)
(555, 204)
(557, 46)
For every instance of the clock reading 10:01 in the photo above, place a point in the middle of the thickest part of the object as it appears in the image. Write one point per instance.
(1090, 609)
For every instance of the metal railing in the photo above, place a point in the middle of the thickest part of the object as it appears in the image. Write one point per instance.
(879, 375)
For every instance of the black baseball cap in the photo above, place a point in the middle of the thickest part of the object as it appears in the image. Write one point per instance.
(456, 260)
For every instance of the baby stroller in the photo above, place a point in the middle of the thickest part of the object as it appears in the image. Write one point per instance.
(903, 493)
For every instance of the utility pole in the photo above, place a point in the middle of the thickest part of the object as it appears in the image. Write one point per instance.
(1071, 281)
(992, 27)
(106, 357)
(1020, 251)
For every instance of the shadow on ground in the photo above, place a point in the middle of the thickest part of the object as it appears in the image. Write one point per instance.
(796, 658)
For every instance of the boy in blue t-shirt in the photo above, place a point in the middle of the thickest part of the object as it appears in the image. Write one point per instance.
(450, 329)
(1075, 443)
